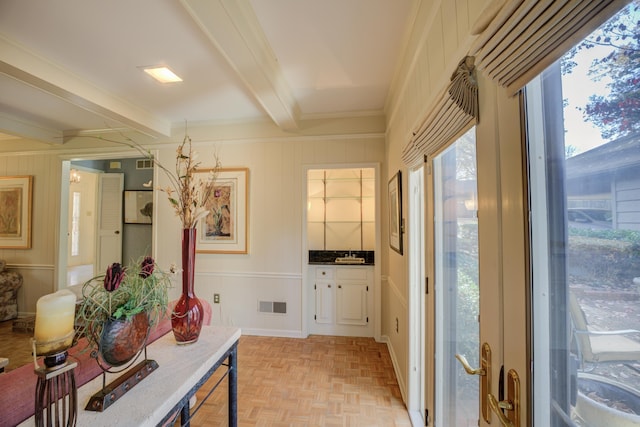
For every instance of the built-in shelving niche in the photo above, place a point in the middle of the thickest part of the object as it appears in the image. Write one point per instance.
(341, 209)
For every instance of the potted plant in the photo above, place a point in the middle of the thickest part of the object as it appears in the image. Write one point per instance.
(119, 307)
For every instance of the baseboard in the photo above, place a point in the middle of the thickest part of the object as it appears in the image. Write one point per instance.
(280, 333)
(394, 360)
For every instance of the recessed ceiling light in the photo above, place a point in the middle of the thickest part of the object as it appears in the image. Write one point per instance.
(162, 74)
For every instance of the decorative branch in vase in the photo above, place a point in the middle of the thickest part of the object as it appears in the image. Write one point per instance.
(189, 204)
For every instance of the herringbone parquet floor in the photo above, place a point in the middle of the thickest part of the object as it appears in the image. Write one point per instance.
(318, 381)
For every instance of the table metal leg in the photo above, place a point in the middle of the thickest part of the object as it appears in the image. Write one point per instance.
(233, 387)
(185, 420)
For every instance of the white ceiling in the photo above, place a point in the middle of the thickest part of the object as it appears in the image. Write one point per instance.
(73, 66)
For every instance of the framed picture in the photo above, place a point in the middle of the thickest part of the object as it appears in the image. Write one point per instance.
(138, 207)
(224, 229)
(15, 212)
(395, 213)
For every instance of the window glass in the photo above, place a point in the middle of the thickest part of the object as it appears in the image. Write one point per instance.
(457, 290)
(75, 224)
(583, 132)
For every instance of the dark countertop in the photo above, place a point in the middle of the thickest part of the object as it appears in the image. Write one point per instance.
(329, 257)
(342, 264)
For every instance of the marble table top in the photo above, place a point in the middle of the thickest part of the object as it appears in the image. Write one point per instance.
(180, 369)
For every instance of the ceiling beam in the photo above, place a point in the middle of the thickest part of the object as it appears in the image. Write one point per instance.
(24, 129)
(30, 69)
(232, 27)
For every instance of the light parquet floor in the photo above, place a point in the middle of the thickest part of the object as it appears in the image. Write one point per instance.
(16, 346)
(322, 381)
(318, 381)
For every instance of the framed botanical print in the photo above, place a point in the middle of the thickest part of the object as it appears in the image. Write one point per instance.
(225, 228)
(15, 212)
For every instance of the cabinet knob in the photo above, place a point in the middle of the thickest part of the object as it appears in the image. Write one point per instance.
(324, 272)
(339, 286)
(328, 286)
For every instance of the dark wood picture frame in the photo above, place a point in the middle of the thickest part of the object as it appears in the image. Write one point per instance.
(395, 212)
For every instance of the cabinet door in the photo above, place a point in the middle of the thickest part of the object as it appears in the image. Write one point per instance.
(325, 292)
(352, 303)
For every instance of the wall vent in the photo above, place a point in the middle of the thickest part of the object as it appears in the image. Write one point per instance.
(144, 164)
(272, 307)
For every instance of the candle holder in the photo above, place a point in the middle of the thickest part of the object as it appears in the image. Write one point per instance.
(56, 398)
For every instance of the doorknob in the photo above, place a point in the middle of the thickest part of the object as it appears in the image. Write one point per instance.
(511, 405)
(117, 231)
(484, 371)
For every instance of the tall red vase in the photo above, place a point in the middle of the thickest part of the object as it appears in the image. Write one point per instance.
(187, 316)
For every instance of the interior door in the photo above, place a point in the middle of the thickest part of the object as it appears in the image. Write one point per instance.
(109, 242)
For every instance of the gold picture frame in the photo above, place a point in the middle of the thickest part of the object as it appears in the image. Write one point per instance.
(224, 230)
(15, 212)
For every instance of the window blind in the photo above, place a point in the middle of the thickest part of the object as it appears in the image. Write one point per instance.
(454, 109)
(526, 36)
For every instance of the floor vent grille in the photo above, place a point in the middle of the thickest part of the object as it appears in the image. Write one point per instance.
(272, 307)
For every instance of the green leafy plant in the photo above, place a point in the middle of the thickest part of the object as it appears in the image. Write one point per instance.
(120, 293)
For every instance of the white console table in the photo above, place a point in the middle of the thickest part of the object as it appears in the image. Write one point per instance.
(166, 391)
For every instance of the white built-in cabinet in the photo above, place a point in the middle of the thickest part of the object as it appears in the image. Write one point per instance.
(343, 300)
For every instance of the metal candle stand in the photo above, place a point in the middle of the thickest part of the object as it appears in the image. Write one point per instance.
(56, 400)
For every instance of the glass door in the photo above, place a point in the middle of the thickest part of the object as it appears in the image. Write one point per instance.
(456, 282)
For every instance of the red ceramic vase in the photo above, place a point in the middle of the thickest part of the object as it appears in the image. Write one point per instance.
(187, 315)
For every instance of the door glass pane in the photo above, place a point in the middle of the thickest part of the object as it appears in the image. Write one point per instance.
(457, 297)
(584, 160)
(75, 224)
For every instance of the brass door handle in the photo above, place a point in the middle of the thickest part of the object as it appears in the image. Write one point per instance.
(484, 371)
(467, 368)
(511, 405)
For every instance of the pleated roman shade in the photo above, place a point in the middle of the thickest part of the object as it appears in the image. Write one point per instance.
(526, 36)
(453, 110)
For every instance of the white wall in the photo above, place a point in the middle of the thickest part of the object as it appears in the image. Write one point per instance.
(273, 270)
(37, 263)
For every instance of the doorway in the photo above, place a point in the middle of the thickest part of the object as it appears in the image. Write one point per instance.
(81, 233)
(340, 218)
(417, 291)
(100, 177)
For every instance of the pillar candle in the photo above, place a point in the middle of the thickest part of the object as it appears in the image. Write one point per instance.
(55, 314)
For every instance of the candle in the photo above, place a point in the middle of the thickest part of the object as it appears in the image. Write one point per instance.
(54, 329)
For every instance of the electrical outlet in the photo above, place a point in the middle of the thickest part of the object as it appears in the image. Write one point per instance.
(216, 298)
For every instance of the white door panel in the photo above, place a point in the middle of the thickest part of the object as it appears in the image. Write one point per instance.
(109, 248)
